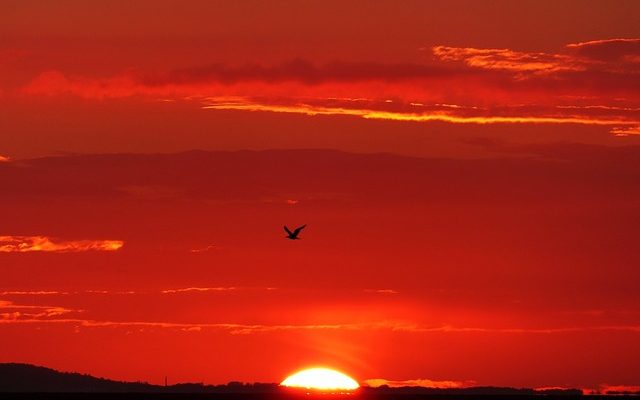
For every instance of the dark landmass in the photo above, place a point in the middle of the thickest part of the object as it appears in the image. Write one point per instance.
(26, 381)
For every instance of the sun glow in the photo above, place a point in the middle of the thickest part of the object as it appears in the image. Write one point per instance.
(320, 379)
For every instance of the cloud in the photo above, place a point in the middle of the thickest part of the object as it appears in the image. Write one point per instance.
(8, 56)
(608, 50)
(200, 289)
(516, 330)
(597, 55)
(214, 289)
(607, 388)
(204, 249)
(297, 70)
(382, 291)
(548, 388)
(620, 122)
(231, 328)
(377, 382)
(508, 60)
(23, 244)
(457, 180)
(625, 130)
(593, 83)
(11, 312)
(32, 293)
(4, 159)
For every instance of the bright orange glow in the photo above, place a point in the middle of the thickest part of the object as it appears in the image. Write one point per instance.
(320, 379)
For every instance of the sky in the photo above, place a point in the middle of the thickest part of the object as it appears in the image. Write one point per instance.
(468, 173)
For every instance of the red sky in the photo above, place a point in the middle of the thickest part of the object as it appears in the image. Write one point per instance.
(468, 172)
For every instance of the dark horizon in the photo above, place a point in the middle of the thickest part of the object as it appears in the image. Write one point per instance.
(20, 377)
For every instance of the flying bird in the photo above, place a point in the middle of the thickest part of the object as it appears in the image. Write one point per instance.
(293, 235)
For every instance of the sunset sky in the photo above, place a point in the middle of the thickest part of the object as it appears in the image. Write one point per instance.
(469, 172)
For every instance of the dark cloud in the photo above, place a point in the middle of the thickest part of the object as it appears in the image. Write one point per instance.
(300, 70)
(525, 173)
(608, 50)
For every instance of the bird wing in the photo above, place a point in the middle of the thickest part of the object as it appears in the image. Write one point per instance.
(297, 231)
(287, 230)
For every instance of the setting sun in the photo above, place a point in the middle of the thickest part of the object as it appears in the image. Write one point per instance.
(320, 379)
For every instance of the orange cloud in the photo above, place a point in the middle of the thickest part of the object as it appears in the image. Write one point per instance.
(32, 293)
(505, 59)
(607, 388)
(23, 244)
(601, 55)
(20, 312)
(217, 289)
(548, 388)
(620, 123)
(625, 130)
(377, 382)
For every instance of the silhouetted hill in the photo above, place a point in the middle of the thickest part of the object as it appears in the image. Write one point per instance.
(25, 378)
(31, 378)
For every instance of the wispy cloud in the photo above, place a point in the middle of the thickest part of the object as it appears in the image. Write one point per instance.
(232, 328)
(170, 291)
(516, 330)
(32, 293)
(200, 289)
(545, 388)
(23, 244)
(382, 291)
(625, 130)
(4, 159)
(204, 249)
(11, 312)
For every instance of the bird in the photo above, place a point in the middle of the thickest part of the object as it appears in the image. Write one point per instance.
(293, 235)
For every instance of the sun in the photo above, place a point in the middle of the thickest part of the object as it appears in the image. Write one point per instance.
(320, 379)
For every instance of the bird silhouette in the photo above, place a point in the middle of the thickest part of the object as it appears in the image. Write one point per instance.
(293, 235)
